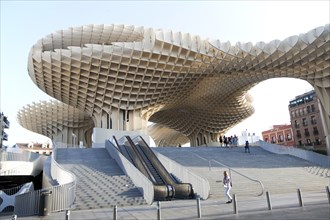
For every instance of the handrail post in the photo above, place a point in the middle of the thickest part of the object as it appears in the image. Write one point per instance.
(300, 198)
(268, 201)
(328, 193)
(231, 177)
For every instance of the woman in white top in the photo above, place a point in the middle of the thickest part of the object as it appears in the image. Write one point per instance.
(227, 184)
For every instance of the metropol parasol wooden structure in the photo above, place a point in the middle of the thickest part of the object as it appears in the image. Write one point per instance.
(119, 78)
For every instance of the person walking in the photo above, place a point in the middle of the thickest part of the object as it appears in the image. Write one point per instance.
(227, 184)
(247, 147)
(221, 141)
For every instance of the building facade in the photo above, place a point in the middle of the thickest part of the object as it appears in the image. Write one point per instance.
(279, 134)
(306, 121)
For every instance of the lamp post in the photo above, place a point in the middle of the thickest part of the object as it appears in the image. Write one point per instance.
(74, 139)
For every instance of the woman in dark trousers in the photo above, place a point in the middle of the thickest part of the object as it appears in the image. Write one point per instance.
(247, 147)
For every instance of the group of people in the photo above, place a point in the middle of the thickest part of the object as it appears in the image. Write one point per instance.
(231, 141)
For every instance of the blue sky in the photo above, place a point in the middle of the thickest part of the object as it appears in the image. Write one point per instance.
(23, 23)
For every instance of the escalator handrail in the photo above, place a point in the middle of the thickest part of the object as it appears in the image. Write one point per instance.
(156, 163)
(140, 160)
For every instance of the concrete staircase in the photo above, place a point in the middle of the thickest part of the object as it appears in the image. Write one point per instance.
(100, 181)
(278, 173)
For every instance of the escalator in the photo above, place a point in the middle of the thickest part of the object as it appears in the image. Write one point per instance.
(182, 190)
(166, 186)
(162, 191)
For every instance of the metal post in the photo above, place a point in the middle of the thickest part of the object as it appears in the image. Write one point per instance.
(199, 211)
(268, 201)
(235, 204)
(300, 198)
(115, 212)
(328, 193)
(45, 202)
(159, 215)
(67, 214)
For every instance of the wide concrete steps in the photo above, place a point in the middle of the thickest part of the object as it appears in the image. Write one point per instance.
(278, 173)
(100, 181)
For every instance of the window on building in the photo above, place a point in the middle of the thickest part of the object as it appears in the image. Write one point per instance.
(309, 142)
(301, 112)
(313, 120)
(297, 113)
(313, 108)
(305, 122)
(300, 143)
(273, 139)
(315, 131)
(280, 138)
(298, 134)
(292, 114)
(305, 111)
(306, 132)
(318, 141)
(308, 109)
(296, 124)
(288, 137)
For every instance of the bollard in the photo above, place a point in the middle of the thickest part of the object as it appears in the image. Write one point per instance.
(328, 193)
(115, 212)
(300, 198)
(268, 201)
(199, 211)
(67, 214)
(159, 216)
(235, 204)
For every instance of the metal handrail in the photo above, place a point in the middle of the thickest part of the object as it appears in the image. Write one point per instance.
(63, 195)
(231, 169)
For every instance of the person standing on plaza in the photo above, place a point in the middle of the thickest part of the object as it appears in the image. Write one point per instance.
(221, 141)
(247, 147)
(225, 140)
(227, 185)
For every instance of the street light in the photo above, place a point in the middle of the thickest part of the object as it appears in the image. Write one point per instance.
(74, 139)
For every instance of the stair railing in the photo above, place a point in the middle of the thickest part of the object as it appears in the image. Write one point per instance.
(231, 169)
(60, 196)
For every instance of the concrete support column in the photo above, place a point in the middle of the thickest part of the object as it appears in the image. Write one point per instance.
(324, 96)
